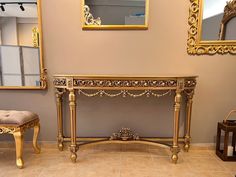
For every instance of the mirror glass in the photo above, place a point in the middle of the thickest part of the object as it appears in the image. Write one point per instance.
(20, 56)
(115, 14)
(218, 20)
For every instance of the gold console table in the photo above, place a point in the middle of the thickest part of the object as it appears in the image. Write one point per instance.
(124, 86)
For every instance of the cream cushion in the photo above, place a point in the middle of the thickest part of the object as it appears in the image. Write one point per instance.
(16, 118)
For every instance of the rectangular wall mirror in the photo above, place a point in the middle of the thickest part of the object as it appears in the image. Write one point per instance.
(212, 27)
(115, 14)
(21, 62)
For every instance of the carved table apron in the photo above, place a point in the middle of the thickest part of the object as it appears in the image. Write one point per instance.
(101, 85)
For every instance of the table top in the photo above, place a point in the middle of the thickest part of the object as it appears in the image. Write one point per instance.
(124, 76)
(118, 82)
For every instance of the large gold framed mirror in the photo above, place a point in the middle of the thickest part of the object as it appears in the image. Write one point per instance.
(21, 54)
(115, 14)
(212, 27)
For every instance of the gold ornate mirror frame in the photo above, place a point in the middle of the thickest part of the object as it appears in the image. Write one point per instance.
(37, 38)
(198, 47)
(97, 22)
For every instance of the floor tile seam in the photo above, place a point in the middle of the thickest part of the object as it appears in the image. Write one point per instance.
(222, 165)
(218, 171)
(105, 154)
(135, 155)
(198, 157)
(168, 157)
(193, 169)
(187, 163)
(160, 156)
(145, 170)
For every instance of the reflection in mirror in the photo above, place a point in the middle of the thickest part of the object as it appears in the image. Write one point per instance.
(115, 14)
(219, 20)
(20, 62)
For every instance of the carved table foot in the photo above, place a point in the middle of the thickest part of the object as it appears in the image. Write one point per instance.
(175, 150)
(187, 143)
(19, 163)
(60, 144)
(73, 150)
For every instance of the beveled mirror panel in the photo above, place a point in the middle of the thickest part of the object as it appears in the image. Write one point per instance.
(21, 62)
(115, 14)
(212, 27)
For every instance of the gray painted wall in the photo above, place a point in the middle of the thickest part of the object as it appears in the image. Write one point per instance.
(160, 50)
(113, 12)
(211, 28)
(231, 30)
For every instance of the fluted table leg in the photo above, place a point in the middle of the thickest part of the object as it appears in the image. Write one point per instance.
(175, 147)
(72, 104)
(187, 137)
(60, 135)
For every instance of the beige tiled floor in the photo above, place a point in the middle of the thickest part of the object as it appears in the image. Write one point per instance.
(115, 160)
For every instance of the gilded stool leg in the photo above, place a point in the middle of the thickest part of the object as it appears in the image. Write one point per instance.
(19, 140)
(35, 138)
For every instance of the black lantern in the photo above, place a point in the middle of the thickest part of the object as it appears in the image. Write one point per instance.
(228, 152)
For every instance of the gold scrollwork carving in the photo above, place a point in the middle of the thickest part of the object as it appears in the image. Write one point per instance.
(35, 36)
(43, 79)
(9, 130)
(124, 83)
(12, 129)
(229, 13)
(125, 134)
(230, 10)
(89, 19)
(29, 125)
(190, 83)
(194, 44)
(124, 93)
(59, 82)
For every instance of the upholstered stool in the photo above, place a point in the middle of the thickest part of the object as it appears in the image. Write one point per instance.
(15, 123)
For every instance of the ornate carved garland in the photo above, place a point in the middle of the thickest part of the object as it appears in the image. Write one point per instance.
(11, 129)
(193, 46)
(5, 130)
(124, 93)
(63, 82)
(89, 19)
(124, 83)
(125, 134)
(229, 13)
(35, 36)
(43, 79)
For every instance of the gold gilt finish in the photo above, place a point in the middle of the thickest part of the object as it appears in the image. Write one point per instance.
(195, 45)
(97, 26)
(229, 13)
(124, 134)
(187, 137)
(35, 36)
(72, 85)
(18, 133)
(43, 71)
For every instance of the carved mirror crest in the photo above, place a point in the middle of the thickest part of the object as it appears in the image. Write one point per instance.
(21, 57)
(115, 14)
(212, 27)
